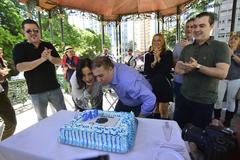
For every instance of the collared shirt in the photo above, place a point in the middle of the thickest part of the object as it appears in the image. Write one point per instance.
(132, 88)
(199, 87)
(43, 77)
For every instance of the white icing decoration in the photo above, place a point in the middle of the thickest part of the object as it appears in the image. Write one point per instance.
(115, 135)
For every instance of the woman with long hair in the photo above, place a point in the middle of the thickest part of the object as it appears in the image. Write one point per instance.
(157, 67)
(86, 91)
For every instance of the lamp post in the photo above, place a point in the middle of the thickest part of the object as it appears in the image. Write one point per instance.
(233, 15)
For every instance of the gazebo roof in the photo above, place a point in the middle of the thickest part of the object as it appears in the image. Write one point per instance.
(110, 10)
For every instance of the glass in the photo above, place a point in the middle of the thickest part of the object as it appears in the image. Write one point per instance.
(167, 131)
(30, 31)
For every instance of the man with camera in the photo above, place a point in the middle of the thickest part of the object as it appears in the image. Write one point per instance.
(202, 63)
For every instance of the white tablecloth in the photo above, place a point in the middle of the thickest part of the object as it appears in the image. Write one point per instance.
(40, 141)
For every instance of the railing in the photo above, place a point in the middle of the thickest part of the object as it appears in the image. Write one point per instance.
(18, 93)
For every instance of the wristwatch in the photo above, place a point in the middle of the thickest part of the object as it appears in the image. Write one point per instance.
(198, 66)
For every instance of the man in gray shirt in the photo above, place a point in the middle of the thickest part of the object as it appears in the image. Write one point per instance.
(202, 64)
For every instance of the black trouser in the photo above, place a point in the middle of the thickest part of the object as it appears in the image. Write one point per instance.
(8, 115)
(187, 111)
(5, 86)
(120, 107)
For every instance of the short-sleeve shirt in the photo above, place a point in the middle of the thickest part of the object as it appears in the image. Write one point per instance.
(234, 69)
(199, 87)
(43, 77)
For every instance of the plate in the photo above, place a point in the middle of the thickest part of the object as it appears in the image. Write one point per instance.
(167, 154)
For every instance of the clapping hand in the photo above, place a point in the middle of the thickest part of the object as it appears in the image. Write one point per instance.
(188, 66)
(157, 58)
(46, 54)
(156, 53)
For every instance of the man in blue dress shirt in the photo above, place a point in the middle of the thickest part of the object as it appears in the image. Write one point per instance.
(133, 90)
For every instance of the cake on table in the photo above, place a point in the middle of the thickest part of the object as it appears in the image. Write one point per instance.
(101, 130)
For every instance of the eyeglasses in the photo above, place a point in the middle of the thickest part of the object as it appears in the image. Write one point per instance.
(30, 31)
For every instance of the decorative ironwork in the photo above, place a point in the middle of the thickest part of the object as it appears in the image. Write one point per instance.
(139, 17)
(85, 15)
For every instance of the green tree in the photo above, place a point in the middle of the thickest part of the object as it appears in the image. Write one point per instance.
(10, 18)
(10, 29)
(198, 7)
(91, 43)
(86, 42)
(170, 37)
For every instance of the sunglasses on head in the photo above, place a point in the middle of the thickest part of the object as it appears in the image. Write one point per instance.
(29, 31)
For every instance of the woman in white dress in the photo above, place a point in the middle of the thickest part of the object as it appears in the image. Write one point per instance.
(86, 91)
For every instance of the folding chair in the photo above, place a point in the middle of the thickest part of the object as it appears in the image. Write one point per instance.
(111, 98)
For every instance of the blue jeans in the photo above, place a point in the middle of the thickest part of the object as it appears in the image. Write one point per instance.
(40, 102)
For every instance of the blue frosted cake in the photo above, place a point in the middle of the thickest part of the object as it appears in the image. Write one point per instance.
(101, 130)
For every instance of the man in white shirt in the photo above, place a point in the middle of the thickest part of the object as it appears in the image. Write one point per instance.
(130, 59)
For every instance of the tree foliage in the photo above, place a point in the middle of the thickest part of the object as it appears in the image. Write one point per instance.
(86, 42)
(198, 7)
(10, 17)
(10, 28)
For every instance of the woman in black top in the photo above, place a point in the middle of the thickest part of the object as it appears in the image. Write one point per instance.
(157, 67)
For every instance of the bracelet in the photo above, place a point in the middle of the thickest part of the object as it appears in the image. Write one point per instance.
(232, 56)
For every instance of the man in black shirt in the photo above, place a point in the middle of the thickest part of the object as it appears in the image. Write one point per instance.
(36, 59)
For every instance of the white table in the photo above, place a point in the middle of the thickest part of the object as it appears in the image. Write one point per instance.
(40, 141)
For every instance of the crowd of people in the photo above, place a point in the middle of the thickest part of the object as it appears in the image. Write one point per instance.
(204, 70)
